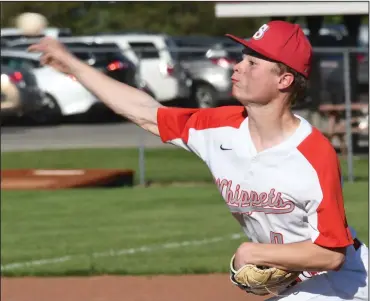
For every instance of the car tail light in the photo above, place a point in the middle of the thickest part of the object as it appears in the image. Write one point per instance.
(360, 58)
(167, 69)
(16, 77)
(117, 65)
(223, 62)
(170, 70)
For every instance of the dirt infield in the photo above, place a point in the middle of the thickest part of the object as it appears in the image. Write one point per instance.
(64, 178)
(215, 287)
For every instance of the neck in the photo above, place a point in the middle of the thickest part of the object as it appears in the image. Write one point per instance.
(270, 124)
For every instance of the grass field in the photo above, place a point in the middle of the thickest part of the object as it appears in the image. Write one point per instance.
(130, 231)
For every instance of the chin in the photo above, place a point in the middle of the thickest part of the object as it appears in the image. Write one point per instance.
(238, 96)
(242, 99)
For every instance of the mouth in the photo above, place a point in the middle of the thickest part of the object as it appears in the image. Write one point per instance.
(234, 81)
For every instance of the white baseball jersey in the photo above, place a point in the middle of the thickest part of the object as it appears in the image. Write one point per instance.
(288, 193)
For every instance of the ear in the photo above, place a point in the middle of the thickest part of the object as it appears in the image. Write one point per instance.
(285, 81)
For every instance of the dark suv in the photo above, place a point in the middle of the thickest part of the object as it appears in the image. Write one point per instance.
(107, 58)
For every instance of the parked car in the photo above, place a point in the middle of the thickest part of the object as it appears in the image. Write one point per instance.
(157, 66)
(20, 94)
(210, 62)
(108, 58)
(105, 57)
(63, 94)
(363, 58)
(335, 79)
(158, 69)
(331, 64)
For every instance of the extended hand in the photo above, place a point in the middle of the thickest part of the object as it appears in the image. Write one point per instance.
(54, 54)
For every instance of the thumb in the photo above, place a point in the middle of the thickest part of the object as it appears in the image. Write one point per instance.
(46, 59)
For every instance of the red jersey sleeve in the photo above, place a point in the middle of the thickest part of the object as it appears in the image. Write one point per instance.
(187, 128)
(174, 123)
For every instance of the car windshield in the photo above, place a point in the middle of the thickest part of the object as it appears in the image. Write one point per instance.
(96, 51)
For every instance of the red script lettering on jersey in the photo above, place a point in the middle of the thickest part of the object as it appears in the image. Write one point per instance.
(269, 203)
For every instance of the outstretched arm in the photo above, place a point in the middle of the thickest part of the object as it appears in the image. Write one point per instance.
(124, 100)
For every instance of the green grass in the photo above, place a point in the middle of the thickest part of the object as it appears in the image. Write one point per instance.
(79, 223)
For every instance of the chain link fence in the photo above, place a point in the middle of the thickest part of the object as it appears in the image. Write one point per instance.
(342, 80)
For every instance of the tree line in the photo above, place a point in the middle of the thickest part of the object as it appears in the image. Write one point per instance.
(174, 18)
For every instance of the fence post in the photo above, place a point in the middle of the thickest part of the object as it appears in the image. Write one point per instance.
(141, 136)
(142, 160)
(347, 91)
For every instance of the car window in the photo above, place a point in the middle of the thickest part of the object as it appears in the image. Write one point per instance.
(80, 50)
(20, 46)
(235, 55)
(144, 50)
(17, 63)
(202, 47)
(84, 56)
(4, 42)
(107, 52)
(64, 33)
(199, 51)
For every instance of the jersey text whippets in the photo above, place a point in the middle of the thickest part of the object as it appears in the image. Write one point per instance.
(270, 203)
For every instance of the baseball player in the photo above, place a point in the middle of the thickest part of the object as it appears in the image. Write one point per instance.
(279, 176)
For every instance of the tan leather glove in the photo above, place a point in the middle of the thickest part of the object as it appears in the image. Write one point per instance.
(261, 280)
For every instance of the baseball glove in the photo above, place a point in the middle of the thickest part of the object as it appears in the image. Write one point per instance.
(260, 280)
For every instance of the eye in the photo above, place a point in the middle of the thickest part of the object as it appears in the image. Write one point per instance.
(251, 63)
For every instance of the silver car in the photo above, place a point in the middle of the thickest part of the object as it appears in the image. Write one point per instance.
(209, 62)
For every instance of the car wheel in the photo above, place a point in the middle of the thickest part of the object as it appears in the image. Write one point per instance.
(50, 112)
(205, 96)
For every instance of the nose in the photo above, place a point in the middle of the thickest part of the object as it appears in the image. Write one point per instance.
(236, 67)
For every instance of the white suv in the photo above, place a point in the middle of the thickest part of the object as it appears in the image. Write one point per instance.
(158, 66)
(63, 94)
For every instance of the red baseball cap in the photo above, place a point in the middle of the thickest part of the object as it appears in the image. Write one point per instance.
(282, 42)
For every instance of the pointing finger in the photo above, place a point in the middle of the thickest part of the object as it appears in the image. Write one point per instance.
(35, 48)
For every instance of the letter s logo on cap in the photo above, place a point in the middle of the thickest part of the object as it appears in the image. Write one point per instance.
(260, 32)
